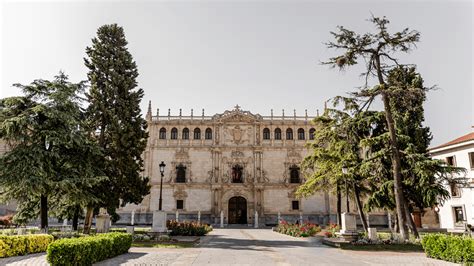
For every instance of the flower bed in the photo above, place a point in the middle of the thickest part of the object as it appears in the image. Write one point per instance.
(299, 230)
(187, 228)
(89, 249)
(449, 247)
(22, 245)
(330, 230)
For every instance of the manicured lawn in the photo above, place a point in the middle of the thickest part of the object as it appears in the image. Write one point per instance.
(381, 247)
(162, 245)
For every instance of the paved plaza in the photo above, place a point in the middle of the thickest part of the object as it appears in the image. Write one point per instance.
(245, 246)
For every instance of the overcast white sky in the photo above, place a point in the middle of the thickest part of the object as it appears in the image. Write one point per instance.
(260, 54)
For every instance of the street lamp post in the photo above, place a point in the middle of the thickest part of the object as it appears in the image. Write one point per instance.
(344, 171)
(162, 170)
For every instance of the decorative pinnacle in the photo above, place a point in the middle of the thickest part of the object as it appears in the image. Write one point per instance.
(148, 113)
(237, 107)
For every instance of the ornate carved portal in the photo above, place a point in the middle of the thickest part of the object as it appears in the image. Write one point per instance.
(237, 210)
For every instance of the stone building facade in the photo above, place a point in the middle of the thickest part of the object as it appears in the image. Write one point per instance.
(236, 162)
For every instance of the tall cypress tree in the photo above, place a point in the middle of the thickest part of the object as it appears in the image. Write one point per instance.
(115, 118)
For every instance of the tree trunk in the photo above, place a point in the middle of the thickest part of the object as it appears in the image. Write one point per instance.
(338, 205)
(348, 209)
(359, 207)
(44, 211)
(411, 223)
(396, 162)
(88, 220)
(395, 226)
(75, 218)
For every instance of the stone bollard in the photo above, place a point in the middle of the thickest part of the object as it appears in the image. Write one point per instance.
(256, 219)
(177, 216)
(301, 217)
(199, 217)
(372, 233)
(222, 219)
(131, 229)
(279, 217)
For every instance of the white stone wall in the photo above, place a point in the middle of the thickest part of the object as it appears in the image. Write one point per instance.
(466, 198)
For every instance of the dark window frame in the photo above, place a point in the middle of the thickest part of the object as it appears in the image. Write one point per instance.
(208, 133)
(301, 134)
(277, 133)
(179, 204)
(162, 133)
(295, 205)
(295, 178)
(266, 133)
(197, 133)
(311, 133)
(174, 133)
(185, 133)
(180, 174)
(289, 134)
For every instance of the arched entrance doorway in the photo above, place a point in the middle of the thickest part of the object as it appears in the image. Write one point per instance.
(237, 210)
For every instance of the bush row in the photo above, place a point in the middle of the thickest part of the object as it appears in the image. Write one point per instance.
(449, 247)
(21, 245)
(89, 249)
(187, 228)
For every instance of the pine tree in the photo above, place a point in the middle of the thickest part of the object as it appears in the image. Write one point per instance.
(115, 119)
(50, 157)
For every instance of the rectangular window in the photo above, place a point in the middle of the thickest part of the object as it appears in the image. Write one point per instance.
(454, 190)
(458, 215)
(295, 205)
(179, 204)
(471, 159)
(451, 160)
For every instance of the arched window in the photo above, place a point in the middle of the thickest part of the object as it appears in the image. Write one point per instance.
(277, 133)
(266, 133)
(289, 133)
(208, 133)
(294, 174)
(162, 133)
(237, 176)
(311, 133)
(197, 133)
(174, 133)
(185, 133)
(180, 174)
(300, 134)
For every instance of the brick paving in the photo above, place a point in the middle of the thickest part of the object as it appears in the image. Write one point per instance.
(245, 246)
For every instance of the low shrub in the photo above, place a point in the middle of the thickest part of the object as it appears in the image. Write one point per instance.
(22, 245)
(6, 220)
(458, 249)
(299, 230)
(88, 250)
(187, 228)
(331, 229)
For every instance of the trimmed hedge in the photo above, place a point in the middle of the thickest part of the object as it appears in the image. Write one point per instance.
(449, 247)
(23, 244)
(88, 250)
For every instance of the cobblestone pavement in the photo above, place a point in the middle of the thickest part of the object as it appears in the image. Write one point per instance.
(245, 246)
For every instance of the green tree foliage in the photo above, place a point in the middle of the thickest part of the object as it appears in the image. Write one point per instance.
(378, 51)
(114, 117)
(51, 157)
(337, 144)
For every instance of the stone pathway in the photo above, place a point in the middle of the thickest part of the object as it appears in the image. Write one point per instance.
(245, 246)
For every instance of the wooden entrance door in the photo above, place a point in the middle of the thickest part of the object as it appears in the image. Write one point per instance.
(237, 210)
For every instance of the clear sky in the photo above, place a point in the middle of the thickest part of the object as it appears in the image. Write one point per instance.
(261, 55)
